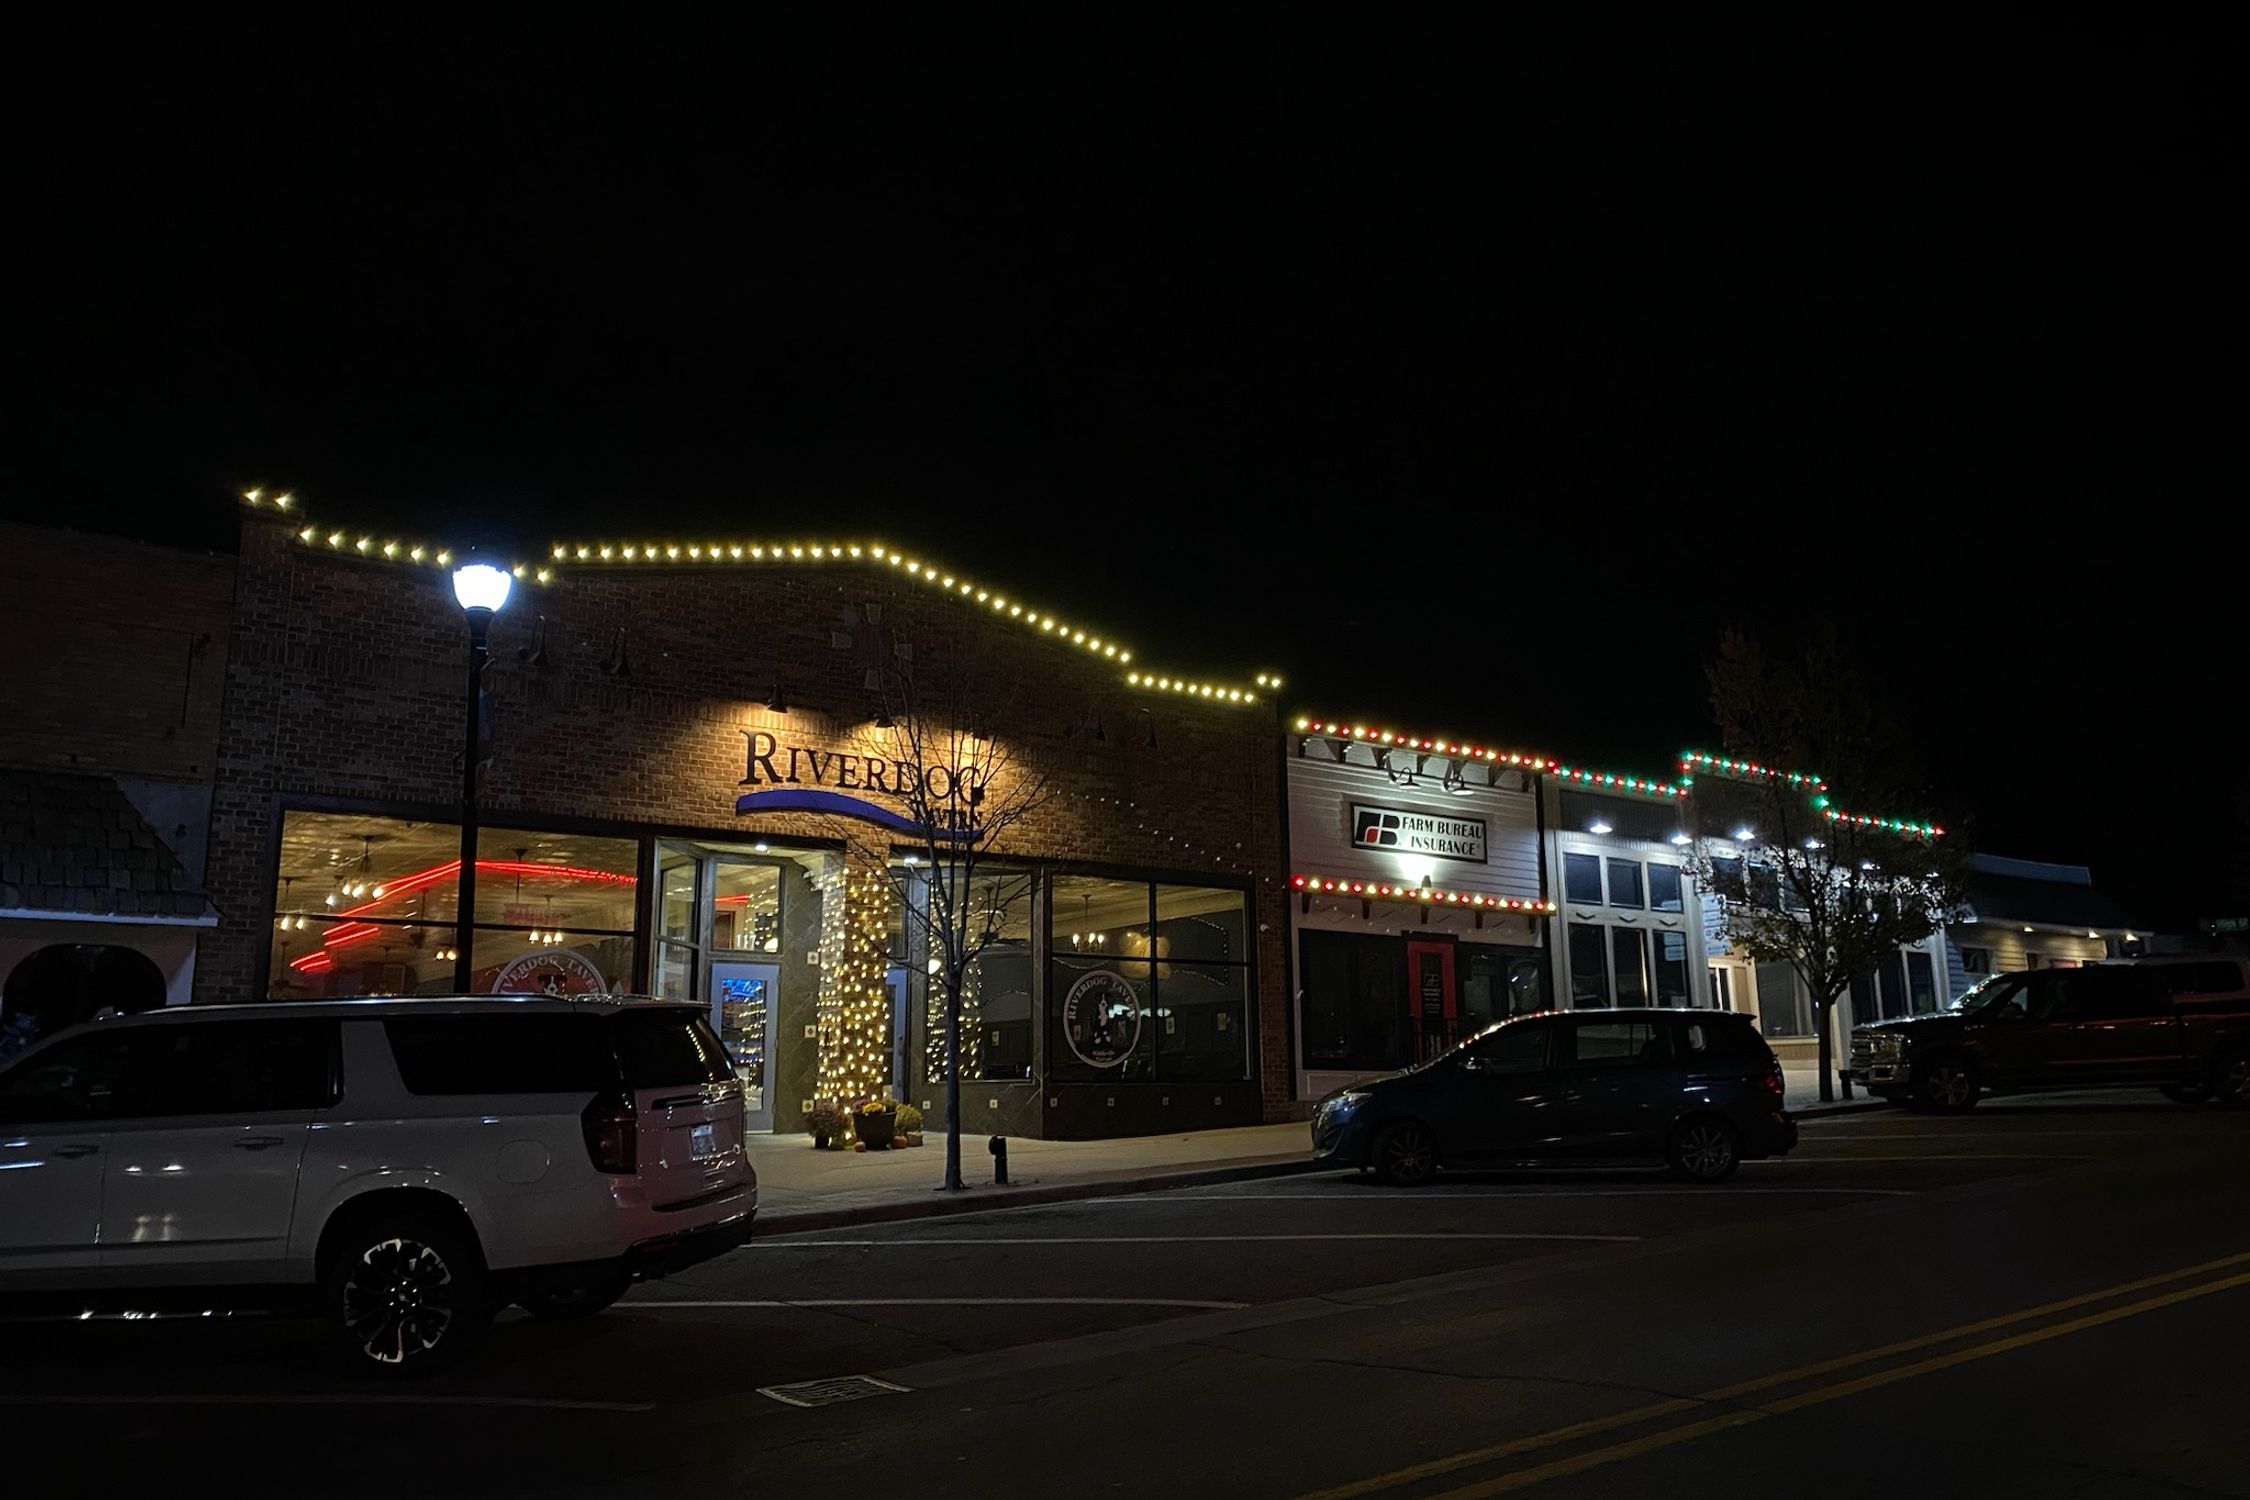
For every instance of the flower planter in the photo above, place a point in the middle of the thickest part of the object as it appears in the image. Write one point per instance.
(876, 1130)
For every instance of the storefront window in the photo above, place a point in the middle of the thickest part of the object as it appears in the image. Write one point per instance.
(1497, 983)
(1671, 968)
(1782, 1006)
(1148, 981)
(1630, 951)
(745, 908)
(996, 986)
(1589, 966)
(547, 961)
(1582, 879)
(365, 906)
(1354, 1004)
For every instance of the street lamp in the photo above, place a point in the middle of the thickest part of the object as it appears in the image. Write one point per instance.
(482, 591)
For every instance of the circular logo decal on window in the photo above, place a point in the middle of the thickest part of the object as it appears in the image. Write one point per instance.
(558, 971)
(1102, 1019)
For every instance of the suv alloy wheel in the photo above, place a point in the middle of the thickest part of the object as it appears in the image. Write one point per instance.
(405, 1294)
(1946, 1083)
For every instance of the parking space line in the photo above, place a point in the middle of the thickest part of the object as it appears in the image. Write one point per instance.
(648, 1302)
(1170, 1239)
(371, 1398)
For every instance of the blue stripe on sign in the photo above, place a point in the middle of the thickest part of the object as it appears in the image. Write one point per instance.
(807, 799)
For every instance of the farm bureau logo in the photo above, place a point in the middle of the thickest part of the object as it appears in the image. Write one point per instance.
(1414, 832)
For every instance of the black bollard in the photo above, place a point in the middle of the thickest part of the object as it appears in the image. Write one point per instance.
(1844, 1080)
(1000, 1160)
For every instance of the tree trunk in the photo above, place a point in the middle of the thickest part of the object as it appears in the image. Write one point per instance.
(1827, 1050)
(952, 1079)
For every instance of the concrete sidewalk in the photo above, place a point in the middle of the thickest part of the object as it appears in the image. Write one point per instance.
(800, 1188)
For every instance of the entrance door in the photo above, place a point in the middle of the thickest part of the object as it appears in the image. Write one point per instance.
(742, 998)
(1429, 973)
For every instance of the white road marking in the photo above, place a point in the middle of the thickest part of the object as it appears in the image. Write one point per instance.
(1386, 1196)
(371, 1399)
(1168, 1239)
(2020, 1135)
(1940, 1157)
(647, 1302)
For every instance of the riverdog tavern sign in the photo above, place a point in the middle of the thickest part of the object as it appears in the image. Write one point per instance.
(799, 778)
(1408, 832)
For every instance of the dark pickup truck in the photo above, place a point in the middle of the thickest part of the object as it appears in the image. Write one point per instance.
(2181, 1025)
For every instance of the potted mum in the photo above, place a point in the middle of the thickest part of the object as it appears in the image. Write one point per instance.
(909, 1125)
(827, 1122)
(876, 1121)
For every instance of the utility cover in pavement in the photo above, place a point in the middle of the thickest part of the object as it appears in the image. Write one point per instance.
(829, 1392)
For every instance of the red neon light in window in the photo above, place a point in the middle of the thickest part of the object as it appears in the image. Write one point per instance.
(346, 931)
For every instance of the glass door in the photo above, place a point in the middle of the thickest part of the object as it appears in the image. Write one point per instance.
(742, 996)
(676, 971)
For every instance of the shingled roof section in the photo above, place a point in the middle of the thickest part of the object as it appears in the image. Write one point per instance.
(76, 846)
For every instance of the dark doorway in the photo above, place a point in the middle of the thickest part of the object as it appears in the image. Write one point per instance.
(69, 983)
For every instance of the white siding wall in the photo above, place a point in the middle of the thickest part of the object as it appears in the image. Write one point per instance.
(2011, 947)
(1321, 794)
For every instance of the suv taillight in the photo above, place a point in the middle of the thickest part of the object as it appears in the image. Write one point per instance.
(613, 1134)
(1774, 1085)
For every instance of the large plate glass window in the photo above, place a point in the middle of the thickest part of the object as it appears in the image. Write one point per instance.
(996, 986)
(365, 905)
(1146, 981)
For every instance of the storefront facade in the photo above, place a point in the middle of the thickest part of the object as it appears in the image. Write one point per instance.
(1439, 886)
(1419, 898)
(696, 791)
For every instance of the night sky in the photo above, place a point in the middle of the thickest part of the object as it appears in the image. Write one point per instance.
(1475, 377)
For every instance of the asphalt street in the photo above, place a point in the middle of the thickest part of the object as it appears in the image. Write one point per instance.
(2043, 1297)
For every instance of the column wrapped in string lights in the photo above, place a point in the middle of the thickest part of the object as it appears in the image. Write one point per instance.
(855, 1000)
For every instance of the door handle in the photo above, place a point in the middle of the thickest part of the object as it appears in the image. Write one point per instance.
(74, 1152)
(257, 1142)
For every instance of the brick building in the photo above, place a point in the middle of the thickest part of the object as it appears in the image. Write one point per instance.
(111, 679)
(694, 791)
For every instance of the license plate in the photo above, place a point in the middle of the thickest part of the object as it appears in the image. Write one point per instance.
(703, 1142)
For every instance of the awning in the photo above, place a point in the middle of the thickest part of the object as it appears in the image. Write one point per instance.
(74, 848)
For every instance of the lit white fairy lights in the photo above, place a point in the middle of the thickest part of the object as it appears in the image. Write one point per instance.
(684, 554)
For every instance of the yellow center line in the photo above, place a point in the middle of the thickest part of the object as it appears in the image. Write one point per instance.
(1617, 1452)
(1595, 1425)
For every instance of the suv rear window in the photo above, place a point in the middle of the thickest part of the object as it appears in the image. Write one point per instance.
(503, 1054)
(661, 1049)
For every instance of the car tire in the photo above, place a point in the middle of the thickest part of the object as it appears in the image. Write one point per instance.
(1404, 1154)
(404, 1294)
(2185, 1093)
(2230, 1080)
(580, 1301)
(1946, 1084)
(1703, 1148)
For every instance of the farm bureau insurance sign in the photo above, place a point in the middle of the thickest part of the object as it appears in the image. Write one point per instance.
(1408, 832)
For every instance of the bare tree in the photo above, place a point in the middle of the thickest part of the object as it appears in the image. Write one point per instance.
(1834, 888)
(963, 794)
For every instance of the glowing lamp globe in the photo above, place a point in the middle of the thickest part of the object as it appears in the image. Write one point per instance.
(481, 586)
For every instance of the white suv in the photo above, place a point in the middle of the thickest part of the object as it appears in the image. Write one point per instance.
(419, 1163)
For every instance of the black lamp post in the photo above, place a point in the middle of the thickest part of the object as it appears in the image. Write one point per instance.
(482, 590)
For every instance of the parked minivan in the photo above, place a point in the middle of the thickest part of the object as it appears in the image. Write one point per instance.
(1698, 1089)
(416, 1164)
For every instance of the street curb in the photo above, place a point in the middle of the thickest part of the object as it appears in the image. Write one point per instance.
(985, 1199)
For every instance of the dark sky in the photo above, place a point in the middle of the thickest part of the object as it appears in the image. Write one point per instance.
(1474, 376)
